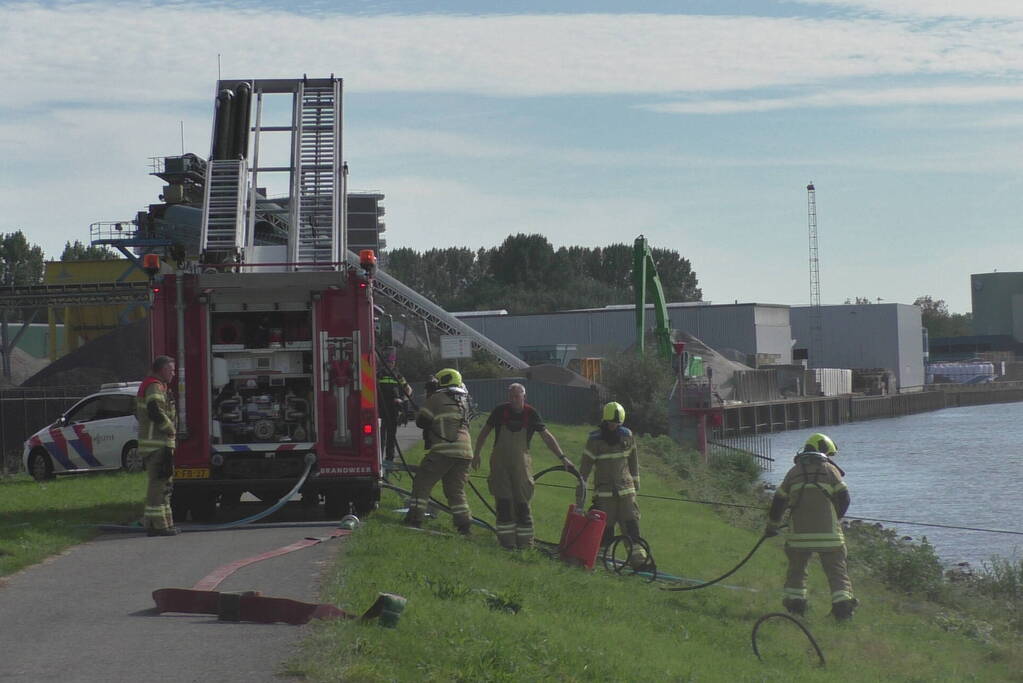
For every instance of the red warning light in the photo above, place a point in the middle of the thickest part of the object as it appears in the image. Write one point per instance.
(367, 429)
(156, 290)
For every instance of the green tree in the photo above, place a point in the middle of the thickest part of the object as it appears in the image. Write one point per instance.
(641, 384)
(79, 252)
(21, 263)
(523, 260)
(940, 322)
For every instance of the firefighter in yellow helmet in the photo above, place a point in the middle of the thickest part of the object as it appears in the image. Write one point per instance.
(816, 497)
(444, 418)
(611, 452)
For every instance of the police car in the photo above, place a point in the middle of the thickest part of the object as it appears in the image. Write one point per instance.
(100, 432)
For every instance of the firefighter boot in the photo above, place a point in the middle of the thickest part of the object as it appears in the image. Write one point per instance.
(465, 530)
(638, 556)
(795, 606)
(843, 609)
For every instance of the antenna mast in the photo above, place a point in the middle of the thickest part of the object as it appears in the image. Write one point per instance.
(816, 317)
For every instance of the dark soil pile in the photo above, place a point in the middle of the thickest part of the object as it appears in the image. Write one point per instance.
(119, 356)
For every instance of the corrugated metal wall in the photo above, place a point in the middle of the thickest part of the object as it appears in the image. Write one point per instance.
(868, 336)
(554, 402)
(749, 328)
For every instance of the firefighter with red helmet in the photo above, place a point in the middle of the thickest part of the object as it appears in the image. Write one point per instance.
(816, 497)
(157, 428)
(511, 466)
(612, 454)
(444, 417)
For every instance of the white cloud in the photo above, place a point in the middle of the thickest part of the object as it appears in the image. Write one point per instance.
(900, 97)
(972, 9)
(132, 53)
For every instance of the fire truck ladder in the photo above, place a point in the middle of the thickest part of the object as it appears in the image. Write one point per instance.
(317, 189)
(223, 213)
(415, 303)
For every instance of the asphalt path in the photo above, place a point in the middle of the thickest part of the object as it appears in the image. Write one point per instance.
(88, 614)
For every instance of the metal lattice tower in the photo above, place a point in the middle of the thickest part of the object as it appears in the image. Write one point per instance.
(816, 316)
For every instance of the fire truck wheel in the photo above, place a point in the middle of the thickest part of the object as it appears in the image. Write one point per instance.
(335, 503)
(179, 507)
(203, 506)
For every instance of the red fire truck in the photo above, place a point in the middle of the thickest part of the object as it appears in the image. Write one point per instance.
(272, 324)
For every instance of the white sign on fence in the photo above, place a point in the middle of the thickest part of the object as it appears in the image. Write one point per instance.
(455, 346)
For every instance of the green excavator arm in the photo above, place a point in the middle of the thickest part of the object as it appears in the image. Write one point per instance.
(644, 274)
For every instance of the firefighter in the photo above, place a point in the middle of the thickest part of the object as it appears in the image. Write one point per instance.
(817, 498)
(611, 452)
(511, 467)
(157, 427)
(391, 400)
(445, 417)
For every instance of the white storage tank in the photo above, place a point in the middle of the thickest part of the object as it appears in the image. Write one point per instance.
(833, 381)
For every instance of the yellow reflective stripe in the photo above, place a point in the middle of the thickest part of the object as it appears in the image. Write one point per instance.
(611, 456)
(839, 596)
(819, 536)
(840, 487)
(814, 544)
(611, 494)
(827, 487)
(795, 592)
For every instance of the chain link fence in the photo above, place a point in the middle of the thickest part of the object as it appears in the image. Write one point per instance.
(24, 411)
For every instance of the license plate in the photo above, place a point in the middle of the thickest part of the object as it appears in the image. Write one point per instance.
(192, 473)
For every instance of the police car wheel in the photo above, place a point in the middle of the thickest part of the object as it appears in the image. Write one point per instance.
(40, 466)
(131, 461)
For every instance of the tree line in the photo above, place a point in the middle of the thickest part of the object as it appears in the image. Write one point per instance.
(527, 274)
(23, 263)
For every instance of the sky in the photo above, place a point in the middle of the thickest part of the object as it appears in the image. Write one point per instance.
(697, 124)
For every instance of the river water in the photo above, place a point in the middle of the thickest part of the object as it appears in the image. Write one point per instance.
(958, 466)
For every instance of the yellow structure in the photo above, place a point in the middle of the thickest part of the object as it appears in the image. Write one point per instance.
(84, 323)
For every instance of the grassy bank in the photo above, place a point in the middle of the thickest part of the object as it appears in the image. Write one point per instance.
(477, 613)
(38, 520)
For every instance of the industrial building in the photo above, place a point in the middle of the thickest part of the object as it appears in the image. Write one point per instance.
(864, 336)
(364, 222)
(997, 300)
(754, 334)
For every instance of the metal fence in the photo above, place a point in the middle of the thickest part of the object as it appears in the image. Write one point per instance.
(757, 446)
(24, 411)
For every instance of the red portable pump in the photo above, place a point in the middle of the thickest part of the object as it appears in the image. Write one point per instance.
(580, 538)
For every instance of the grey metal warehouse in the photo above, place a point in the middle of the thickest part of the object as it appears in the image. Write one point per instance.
(751, 329)
(886, 336)
(855, 336)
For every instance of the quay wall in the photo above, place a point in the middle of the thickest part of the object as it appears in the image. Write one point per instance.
(804, 413)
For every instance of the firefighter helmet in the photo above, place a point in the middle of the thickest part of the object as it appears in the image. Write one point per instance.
(820, 443)
(449, 377)
(613, 412)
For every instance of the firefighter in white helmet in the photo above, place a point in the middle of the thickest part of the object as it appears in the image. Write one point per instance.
(444, 418)
(817, 499)
(611, 452)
